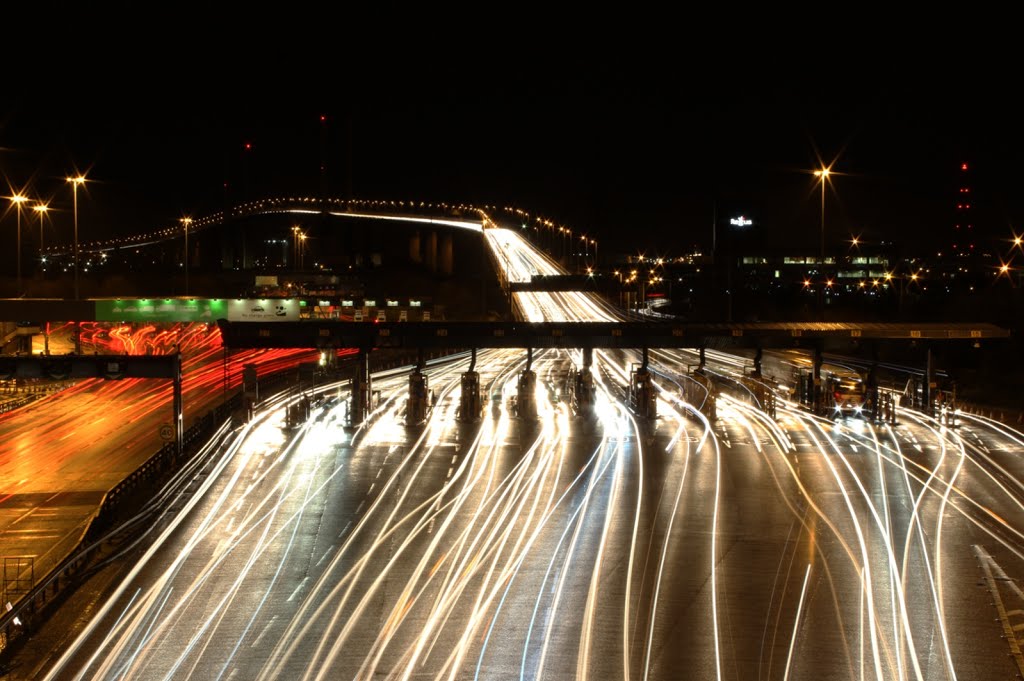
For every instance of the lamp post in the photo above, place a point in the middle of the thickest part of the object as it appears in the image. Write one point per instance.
(17, 200)
(41, 209)
(295, 246)
(302, 248)
(823, 175)
(75, 182)
(185, 222)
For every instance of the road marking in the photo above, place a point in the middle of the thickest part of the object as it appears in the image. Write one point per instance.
(264, 632)
(298, 589)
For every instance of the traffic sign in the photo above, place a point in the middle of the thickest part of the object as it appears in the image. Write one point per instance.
(167, 432)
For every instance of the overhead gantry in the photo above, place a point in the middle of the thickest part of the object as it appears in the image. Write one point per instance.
(586, 336)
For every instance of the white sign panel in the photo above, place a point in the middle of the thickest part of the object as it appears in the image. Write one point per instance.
(263, 310)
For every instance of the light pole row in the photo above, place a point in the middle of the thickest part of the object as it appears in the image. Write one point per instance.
(19, 200)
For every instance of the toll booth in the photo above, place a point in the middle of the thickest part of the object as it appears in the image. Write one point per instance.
(701, 392)
(643, 399)
(945, 407)
(581, 392)
(297, 413)
(764, 395)
(885, 411)
(418, 404)
(470, 407)
(526, 399)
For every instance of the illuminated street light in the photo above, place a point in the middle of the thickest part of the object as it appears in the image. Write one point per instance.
(41, 209)
(17, 200)
(185, 222)
(823, 176)
(75, 182)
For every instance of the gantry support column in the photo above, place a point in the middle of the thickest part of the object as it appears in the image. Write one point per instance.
(526, 402)
(469, 399)
(816, 387)
(642, 395)
(361, 390)
(927, 393)
(179, 417)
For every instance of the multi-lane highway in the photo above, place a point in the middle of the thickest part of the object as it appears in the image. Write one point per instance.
(576, 547)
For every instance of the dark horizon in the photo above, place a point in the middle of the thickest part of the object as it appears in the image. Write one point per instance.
(634, 157)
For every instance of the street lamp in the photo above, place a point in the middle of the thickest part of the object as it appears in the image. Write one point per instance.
(295, 246)
(823, 175)
(185, 222)
(75, 182)
(302, 248)
(41, 209)
(17, 200)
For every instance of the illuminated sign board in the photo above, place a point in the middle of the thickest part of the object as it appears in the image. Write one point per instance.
(263, 310)
(741, 221)
(161, 310)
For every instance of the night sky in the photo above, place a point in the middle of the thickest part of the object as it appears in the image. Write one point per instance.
(634, 143)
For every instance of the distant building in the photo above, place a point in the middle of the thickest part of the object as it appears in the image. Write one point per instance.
(964, 237)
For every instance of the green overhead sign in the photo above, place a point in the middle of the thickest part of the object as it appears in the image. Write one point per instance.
(161, 310)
